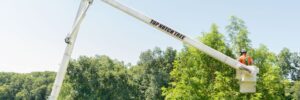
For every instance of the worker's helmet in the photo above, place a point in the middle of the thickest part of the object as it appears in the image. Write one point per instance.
(243, 51)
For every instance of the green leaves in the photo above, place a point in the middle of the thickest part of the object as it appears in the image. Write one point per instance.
(97, 77)
(238, 35)
(156, 66)
(31, 86)
(199, 76)
(289, 63)
(100, 77)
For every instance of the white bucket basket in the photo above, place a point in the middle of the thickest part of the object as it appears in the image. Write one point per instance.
(247, 80)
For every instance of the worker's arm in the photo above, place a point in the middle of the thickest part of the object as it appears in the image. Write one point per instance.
(250, 61)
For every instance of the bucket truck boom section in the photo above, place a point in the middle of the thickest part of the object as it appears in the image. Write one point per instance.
(70, 40)
(179, 36)
(246, 74)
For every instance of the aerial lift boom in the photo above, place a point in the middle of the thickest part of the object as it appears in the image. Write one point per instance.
(246, 74)
(70, 40)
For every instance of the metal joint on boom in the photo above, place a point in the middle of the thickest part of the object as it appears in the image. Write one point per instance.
(90, 1)
(68, 39)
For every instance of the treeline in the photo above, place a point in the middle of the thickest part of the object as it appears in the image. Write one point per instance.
(31, 86)
(168, 74)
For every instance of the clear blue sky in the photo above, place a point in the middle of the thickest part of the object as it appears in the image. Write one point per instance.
(32, 32)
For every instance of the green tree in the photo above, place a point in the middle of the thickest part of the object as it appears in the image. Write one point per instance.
(153, 71)
(295, 70)
(199, 76)
(270, 84)
(289, 63)
(238, 35)
(284, 61)
(97, 77)
(4, 92)
(296, 90)
(29, 86)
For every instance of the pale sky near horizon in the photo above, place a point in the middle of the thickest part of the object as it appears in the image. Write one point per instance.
(32, 32)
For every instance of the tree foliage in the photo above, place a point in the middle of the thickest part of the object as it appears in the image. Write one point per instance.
(238, 35)
(289, 63)
(31, 86)
(100, 77)
(199, 76)
(156, 66)
(89, 77)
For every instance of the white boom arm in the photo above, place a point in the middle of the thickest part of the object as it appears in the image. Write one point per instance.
(70, 40)
(246, 74)
(200, 46)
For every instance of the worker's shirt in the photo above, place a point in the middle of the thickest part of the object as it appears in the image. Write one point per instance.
(247, 60)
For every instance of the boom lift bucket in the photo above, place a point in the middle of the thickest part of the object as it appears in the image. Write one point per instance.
(247, 80)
